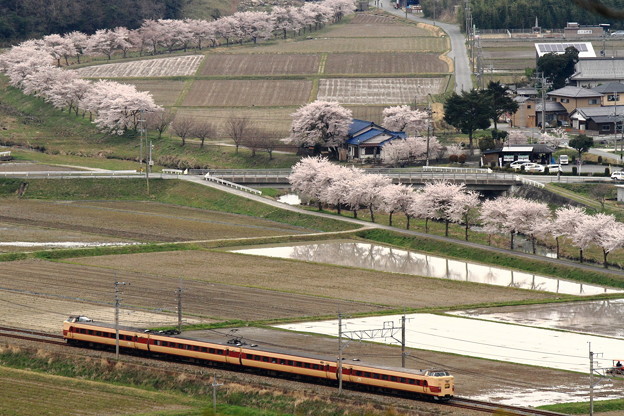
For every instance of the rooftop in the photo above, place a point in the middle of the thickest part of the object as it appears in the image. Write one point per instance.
(575, 92)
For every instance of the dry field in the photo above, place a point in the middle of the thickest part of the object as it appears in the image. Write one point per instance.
(127, 221)
(248, 93)
(371, 44)
(270, 119)
(163, 67)
(165, 93)
(385, 63)
(31, 393)
(389, 29)
(269, 64)
(379, 90)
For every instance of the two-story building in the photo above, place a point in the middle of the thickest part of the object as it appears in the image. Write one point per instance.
(612, 93)
(591, 72)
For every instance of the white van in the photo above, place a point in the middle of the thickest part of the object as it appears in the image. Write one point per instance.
(563, 159)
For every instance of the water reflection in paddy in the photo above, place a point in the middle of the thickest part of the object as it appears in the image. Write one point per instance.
(386, 259)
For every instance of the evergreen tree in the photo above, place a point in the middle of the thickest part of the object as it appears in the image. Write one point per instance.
(468, 112)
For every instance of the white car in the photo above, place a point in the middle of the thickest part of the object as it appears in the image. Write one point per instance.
(554, 168)
(517, 165)
(618, 176)
(533, 167)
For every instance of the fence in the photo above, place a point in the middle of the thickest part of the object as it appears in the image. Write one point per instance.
(220, 181)
(71, 173)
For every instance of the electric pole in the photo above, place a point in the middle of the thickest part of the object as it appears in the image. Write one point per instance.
(117, 302)
(179, 298)
(214, 394)
(339, 354)
(403, 341)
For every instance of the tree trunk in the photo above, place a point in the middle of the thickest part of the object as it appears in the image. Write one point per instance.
(370, 208)
(534, 244)
(511, 241)
(426, 225)
(557, 241)
(466, 230)
(408, 222)
(581, 254)
(390, 219)
(355, 213)
(446, 227)
(605, 254)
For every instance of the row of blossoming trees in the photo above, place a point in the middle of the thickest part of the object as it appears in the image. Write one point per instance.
(114, 107)
(351, 188)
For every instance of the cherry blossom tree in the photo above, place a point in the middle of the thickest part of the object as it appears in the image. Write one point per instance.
(403, 118)
(324, 123)
(517, 137)
(528, 218)
(102, 42)
(612, 238)
(366, 192)
(340, 8)
(80, 41)
(150, 33)
(254, 25)
(310, 176)
(590, 230)
(401, 151)
(282, 19)
(440, 197)
(395, 198)
(336, 193)
(494, 217)
(227, 28)
(183, 128)
(554, 138)
(565, 222)
(464, 209)
(122, 40)
(59, 47)
(419, 207)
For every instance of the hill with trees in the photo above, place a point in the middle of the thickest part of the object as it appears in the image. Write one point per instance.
(521, 14)
(23, 19)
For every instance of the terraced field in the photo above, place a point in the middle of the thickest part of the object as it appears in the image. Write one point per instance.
(367, 62)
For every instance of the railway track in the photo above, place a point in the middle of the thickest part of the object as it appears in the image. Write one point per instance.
(488, 407)
(457, 402)
(31, 335)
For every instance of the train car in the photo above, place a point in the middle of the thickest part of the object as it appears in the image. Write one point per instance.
(438, 384)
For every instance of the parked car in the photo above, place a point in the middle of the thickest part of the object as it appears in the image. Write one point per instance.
(554, 168)
(563, 159)
(533, 167)
(517, 165)
(618, 33)
(618, 176)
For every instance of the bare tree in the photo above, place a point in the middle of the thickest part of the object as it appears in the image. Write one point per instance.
(159, 121)
(202, 131)
(254, 139)
(268, 142)
(183, 127)
(236, 127)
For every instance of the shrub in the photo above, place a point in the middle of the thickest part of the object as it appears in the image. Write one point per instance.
(607, 172)
(599, 159)
(461, 159)
(453, 158)
(574, 170)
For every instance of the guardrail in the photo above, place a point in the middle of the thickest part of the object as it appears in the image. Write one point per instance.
(69, 173)
(5, 154)
(527, 181)
(220, 181)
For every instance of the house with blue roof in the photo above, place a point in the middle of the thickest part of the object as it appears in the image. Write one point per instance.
(366, 140)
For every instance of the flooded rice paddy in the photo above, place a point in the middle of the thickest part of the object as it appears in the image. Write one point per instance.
(386, 259)
(556, 336)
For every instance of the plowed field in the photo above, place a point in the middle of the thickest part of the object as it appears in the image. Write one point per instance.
(270, 64)
(384, 63)
(163, 67)
(248, 93)
(379, 90)
(165, 93)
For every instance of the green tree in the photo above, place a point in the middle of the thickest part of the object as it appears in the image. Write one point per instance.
(500, 101)
(558, 68)
(468, 112)
(582, 144)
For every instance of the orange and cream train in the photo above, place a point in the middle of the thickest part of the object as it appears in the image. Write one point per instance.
(438, 384)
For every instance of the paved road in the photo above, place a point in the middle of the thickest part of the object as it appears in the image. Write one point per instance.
(463, 73)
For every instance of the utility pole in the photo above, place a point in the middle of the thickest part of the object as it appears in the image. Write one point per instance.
(544, 84)
(403, 341)
(214, 394)
(143, 137)
(117, 302)
(179, 298)
(593, 370)
(429, 127)
(340, 353)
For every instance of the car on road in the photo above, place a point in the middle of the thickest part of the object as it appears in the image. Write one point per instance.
(533, 167)
(617, 33)
(553, 168)
(563, 159)
(517, 165)
(618, 176)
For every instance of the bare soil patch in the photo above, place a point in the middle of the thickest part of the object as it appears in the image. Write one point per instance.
(271, 119)
(385, 63)
(388, 27)
(323, 281)
(372, 44)
(270, 64)
(164, 92)
(245, 93)
(131, 221)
